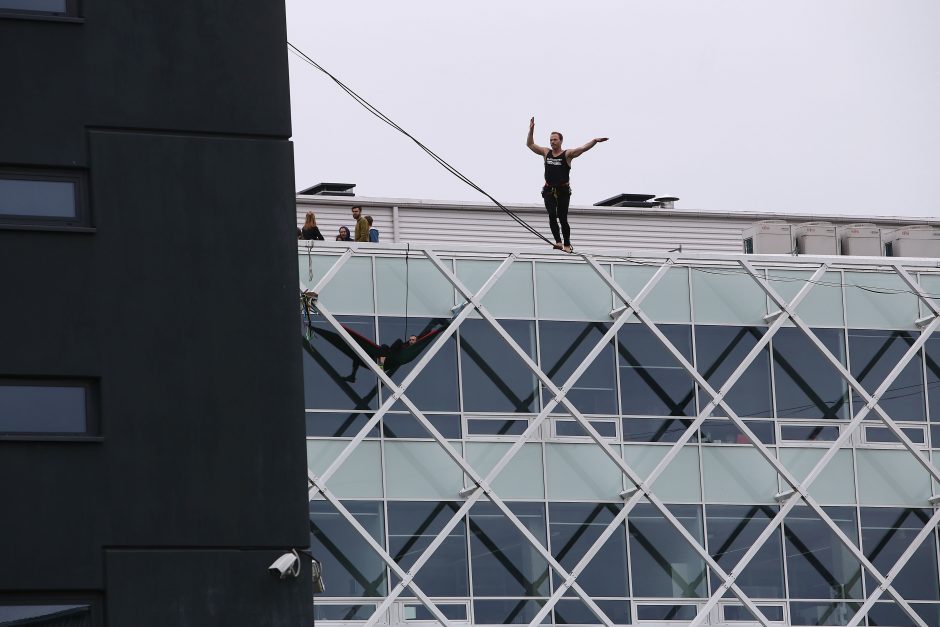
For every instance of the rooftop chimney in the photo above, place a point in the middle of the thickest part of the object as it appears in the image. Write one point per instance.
(329, 189)
(638, 200)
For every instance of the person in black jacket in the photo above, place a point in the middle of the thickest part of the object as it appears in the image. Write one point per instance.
(310, 230)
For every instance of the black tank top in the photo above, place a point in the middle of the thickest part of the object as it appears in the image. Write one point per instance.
(556, 168)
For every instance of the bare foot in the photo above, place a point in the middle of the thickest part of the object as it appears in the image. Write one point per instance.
(557, 246)
(568, 249)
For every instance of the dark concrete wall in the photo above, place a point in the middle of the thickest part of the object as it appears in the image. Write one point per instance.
(180, 301)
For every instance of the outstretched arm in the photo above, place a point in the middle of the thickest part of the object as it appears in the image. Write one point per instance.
(530, 142)
(577, 152)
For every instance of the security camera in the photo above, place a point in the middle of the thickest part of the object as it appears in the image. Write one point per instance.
(287, 564)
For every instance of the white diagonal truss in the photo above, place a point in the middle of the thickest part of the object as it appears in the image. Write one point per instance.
(481, 485)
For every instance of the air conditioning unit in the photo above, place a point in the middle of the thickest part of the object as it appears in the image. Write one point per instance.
(913, 241)
(861, 240)
(816, 238)
(768, 237)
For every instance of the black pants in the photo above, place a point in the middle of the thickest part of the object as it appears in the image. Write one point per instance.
(556, 204)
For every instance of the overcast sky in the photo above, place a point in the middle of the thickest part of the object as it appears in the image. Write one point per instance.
(804, 105)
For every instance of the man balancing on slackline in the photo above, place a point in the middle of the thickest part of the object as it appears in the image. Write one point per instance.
(557, 191)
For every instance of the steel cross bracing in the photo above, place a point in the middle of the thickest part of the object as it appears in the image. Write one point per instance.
(481, 486)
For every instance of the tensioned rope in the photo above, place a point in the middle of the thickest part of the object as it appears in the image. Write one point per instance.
(447, 166)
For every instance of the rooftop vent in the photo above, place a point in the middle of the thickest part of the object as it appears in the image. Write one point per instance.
(638, 200)
(329, 189)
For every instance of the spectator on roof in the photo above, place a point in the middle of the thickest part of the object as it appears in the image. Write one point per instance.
(343, 235)
(310, 229)
(373, 232)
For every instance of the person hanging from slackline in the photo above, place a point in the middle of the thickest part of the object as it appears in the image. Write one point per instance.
(390, 357)
(557, 190)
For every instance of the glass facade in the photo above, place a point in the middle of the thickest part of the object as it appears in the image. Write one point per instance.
(566, 500)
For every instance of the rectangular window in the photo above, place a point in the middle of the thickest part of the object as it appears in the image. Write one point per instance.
(40, 7)
(47, 407)
(573, 429)
(809, 433)
(42, 197)
(884, 435)
(32, 609)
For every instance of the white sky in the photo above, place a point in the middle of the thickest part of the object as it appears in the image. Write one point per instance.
(804, 105)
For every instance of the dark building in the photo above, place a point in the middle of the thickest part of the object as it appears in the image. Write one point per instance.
(151, 404)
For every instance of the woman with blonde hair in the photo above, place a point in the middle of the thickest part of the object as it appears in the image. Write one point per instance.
(310, 229)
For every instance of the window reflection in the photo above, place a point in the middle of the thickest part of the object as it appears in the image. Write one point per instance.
(338, 424)
(576, 612)
(355, 570)
(332, 375)
(507, 611)
(655, 429)
(435, 389)
(932, 359)
(874, 354)
(574, 528)
(564, 346)
(803, 613)
(412, 526)
(504, 562)
(807, 385)
(722, 349)
(732, 529)
(663, 564)
(652, 382)
(886, 533)
(397, 425)
(494, 378)
(819, 566)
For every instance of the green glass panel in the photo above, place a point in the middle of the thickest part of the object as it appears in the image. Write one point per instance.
(414, 287)
(727, 295)
(834, 486)
(522, 478)
(879, 300)
(513, 296)
(420, 470)
(349, 292)
(680, 482)
(930, 283)
(735, 474)
(582, 472)
(669, 299)
(360, 476)
(887, 477)
(821, 307)
(572, 291)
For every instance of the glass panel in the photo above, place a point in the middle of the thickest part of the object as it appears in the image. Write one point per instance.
(573, 429)
(889, 532)
(494, 378)
(507, 611)
(891, 614)
(34, 198)
(874, 354)
(819, 566)
(581, 472)
(681, 480)
(724, 431)
(420, 470)
(669, 300)
(360, 476)
(522, 478)
(355, 570)
(879, 300)
(737, 475)
(58, 614)
(322, 611)
(496, 426)
(802, 613)
(652, 382)
(504, 561)
(576, 612)
(807, 385)
(435, 389)
(655, 429)
(835, 485)
(572, 291)
(741, 613)
(574, 528)
(334, 376)
(407, 426)
(564, 347)
(663, 564)
(885, 435)
(666, 612)
(720, 350)
(337, 296)
(413, 287)
(42, 408)
(888, 477)
(451, 611)
(727, 296)
(338, 425)
(732, 529)
(932, 359)
(822, 306)
(412, 526)
(809, 433)
(513, 295)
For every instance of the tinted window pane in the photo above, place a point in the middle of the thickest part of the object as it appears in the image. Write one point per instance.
(576, 612)
(720, 351)
(572, 428)
(507, 611)
(652, 382)
(451, 611)
(890, 614)
(883, 434)
(37, 199)
(412, 526)
(808, 386)
(44, 6)
(732, 529)
(481, 426)
(42, 409)
(741, 613)
(666, 612)
(654, 429)
(662, 562)
(726, 432)
(932, 358)
(822, 613)
(818, 564)
(51, 614)
(435, 389)
(338, 425)
(574, 528)
(886, 533)
(809, 433)
(334, 377)
(564, 346)
(351, 567)
(874, 354)
(504, 562)
(321, 611)
(407, 426)
(494, 378)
